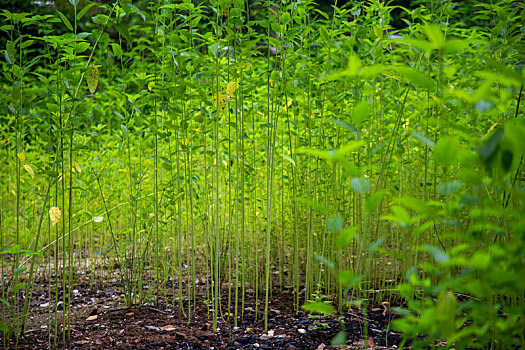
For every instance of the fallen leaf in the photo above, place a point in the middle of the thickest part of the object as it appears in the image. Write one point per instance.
(168, 328)
(92, 318)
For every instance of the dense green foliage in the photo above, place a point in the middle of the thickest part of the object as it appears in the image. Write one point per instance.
(232, 145)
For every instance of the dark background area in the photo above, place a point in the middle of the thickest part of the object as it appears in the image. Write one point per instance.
(466, 7)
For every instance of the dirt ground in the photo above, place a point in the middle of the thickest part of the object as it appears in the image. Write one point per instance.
(100, 320)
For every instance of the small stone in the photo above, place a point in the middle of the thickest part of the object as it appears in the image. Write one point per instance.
(301, 330)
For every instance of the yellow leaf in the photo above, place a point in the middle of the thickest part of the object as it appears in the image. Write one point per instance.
(184, 141)
(54, 215)
(5, 140)
(492, 128)
(21, 156)
(77, 167)
(230, 89)
(29, 170)
(92, 78)
(151, 84)
(220, 102)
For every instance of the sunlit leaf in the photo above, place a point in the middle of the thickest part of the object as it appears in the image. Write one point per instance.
(319, 308)
(77, 167)
(54, 214)
(21, 156)
(230, 89)
(29, 170)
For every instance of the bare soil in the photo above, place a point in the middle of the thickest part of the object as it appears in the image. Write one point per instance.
(100, 320)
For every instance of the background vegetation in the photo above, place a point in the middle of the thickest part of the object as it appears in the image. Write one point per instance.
(227, 145)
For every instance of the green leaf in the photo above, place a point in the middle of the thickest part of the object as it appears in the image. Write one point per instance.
(84, 10)
(339, 339)
(288, 158)
(17, 287)
(74, 2)
(65, 20)
(448, 188)
(354, 65)
(125, 131)
(446, 308)
(285, 18)
(361, 112)
(435, 35)
(347, 126)
(92, 78)
(348, 278)
(345, 237)
(81, 46)
(415, 77)
(446, 151)
(213, 48)
(360, 185)
(117, 50)
(423, 139)
(325, 261)
(324, 34)
(490, 147)
(438, 254)
(3, 327)
(373, 247)
(334, 223)
(453, 46)
(319, 308)
(19, 270)
(374, 200)
(137, 10)
(5, 302)
(312, 204)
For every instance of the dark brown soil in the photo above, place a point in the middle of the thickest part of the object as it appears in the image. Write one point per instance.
(100, 320)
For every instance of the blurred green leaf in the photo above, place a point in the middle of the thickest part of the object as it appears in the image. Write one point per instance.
(319, 308)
